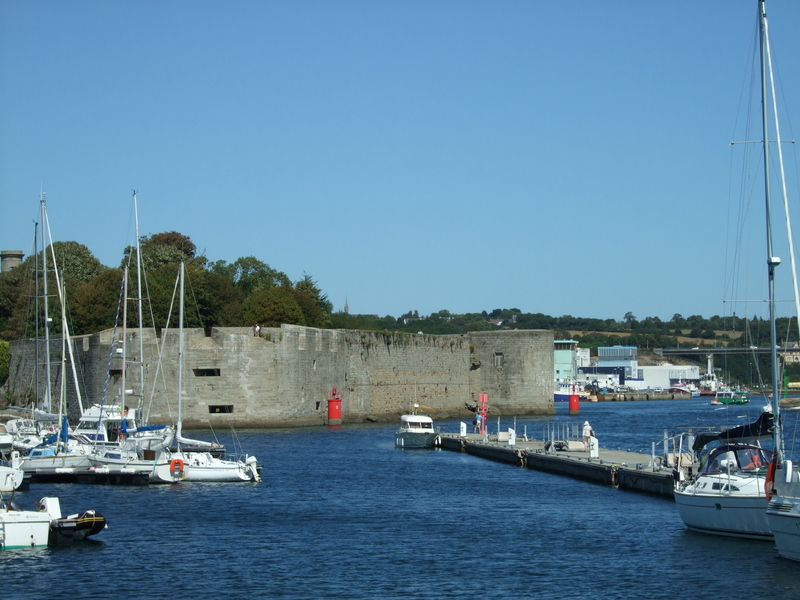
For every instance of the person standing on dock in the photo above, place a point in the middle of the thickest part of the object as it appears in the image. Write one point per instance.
(477, 421)
(587, 433)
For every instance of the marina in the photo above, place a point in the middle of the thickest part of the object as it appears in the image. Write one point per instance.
(341, 513)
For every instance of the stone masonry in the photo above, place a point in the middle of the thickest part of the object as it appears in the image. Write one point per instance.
(283, 376)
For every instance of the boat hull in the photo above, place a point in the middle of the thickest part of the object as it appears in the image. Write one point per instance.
(783, 515)
(76, 528)
(202, 466)
(24, 529)
(413, 440)
(10, 479)
(717, 514)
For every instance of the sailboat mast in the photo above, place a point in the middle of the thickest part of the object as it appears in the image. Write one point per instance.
(139, 305)
(48, 386)
(772, 261)
(124, 336)
(36, 277)
(180, 359)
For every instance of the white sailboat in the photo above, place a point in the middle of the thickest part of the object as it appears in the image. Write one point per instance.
(199, 466)
(728, 495)
(64, 452)
(783, 483)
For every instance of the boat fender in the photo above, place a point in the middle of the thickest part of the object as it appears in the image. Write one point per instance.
(176, 464)
(769, 482)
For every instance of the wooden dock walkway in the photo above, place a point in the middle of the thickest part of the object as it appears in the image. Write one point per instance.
(626, 470)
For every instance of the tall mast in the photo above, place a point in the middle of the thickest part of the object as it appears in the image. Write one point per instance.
(772, 260)
(139, 304)
(48, 387)
(180, 360)
(123, 392)
(36, 278)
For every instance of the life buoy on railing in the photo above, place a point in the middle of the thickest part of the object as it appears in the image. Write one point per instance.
(769, 481)
(175, 465)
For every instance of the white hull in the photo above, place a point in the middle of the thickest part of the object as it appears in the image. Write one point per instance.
(10, 479)
(202, 466)
(24, 529)
(783, 515)
(718, 514)
(63, 463)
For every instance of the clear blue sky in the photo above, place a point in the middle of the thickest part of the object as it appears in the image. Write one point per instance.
(564, 157)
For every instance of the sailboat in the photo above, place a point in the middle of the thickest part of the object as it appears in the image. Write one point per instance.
(63, 452)
(782, 486)
(184, 465)
(728, 495)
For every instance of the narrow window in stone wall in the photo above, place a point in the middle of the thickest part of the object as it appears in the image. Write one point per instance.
(498, 359)
(216, 409)
(206, 372)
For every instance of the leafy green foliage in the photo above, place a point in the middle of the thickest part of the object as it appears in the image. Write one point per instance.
(270, 307)
(4, 361)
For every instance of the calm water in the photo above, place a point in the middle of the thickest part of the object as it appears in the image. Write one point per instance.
(343, 514)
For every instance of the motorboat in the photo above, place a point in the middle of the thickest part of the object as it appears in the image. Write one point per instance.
(45, 526)
(416, 431)
(731, 396)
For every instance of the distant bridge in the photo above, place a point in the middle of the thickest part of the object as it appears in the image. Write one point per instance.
(726, 350)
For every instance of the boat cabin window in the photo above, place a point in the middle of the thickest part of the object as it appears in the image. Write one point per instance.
(728, 459)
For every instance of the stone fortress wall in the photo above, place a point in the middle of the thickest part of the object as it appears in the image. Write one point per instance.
(283, 376)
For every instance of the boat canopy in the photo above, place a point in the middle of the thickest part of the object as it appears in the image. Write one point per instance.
(760, 429)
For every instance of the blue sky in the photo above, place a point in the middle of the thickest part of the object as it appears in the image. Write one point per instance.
(565, 157)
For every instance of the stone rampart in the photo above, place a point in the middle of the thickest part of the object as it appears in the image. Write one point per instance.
(283, 376)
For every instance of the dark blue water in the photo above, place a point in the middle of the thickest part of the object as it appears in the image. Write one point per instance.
(343, 514)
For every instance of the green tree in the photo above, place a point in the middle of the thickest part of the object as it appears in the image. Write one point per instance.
(76, 261)
(315, 305)
(272, 307)
(93, 305)
(249, 274)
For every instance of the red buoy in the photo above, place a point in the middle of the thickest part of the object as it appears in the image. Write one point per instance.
(574, 402)
(334, 408)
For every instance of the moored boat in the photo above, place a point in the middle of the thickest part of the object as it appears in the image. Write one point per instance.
(45, 526)
(416, 431)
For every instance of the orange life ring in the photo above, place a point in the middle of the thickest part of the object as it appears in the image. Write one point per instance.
(769, 482)
(176, 464)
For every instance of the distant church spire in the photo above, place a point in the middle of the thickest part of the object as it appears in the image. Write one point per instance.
(346, 308)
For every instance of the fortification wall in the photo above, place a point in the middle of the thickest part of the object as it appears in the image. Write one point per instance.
(283, 376)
